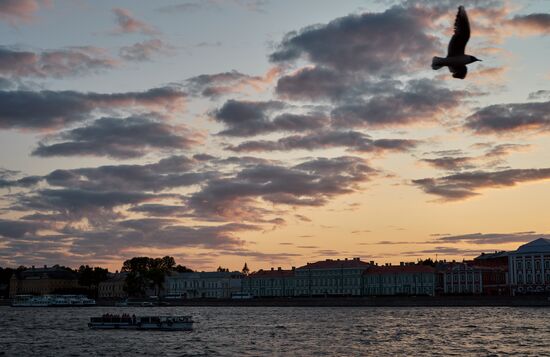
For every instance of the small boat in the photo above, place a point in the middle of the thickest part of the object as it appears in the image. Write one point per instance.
(127, 322)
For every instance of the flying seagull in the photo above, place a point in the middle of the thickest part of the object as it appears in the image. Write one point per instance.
(456, 60)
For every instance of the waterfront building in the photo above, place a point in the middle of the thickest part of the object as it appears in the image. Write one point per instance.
(529, 267)
(494, 272)
(497, 259)
(113, 288)
(462, 278)
(218, 284)
(330, 277)
(270, 283)
(403, 279)
(43, 281)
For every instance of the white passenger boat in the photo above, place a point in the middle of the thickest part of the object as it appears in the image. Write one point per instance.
(164, 323)
(51, 301)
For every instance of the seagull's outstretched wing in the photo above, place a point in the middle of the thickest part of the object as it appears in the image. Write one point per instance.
(461, 35)
(459, 71)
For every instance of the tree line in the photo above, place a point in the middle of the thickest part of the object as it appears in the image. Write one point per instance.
(142, 273)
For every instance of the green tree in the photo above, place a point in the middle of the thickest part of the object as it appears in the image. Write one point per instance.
(91, 277)
(182, 269)
(146, 272)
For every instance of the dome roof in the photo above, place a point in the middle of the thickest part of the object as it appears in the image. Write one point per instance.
(541, 245)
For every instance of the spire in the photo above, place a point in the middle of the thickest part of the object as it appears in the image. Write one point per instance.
(245, 269)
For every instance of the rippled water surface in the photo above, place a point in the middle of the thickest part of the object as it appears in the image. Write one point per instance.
(285, 331)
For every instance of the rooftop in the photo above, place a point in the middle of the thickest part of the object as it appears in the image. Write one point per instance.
(51, 273)
(337, 264)
(495, 255)
(541, 245)
(399, 269)
(274, 273)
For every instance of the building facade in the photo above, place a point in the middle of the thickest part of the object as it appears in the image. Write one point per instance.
(529, 268)
(270, 283)
(462, 278)
(43, 281)
(113, 288)
(217, 285)
(404, 279)
(330, 277)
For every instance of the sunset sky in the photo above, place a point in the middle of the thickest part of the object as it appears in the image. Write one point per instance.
(269, 132)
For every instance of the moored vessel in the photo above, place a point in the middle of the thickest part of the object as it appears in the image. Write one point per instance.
(51, 301)
(127, 322)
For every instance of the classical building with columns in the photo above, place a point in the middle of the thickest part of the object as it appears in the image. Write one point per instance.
(529, 267)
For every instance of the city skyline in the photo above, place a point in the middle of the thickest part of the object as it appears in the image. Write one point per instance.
(220, 132)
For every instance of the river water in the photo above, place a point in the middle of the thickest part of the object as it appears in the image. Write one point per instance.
(284, 331)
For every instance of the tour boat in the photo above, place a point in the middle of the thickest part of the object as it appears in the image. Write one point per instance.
(125, 321)
(51, 301)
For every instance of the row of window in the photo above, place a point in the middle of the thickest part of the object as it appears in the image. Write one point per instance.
(197, 284)
(399, 290)
(528, 265)
(529, 278)
(384, 278)
(331, 272)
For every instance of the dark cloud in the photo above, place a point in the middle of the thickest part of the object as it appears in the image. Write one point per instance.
(493, 238)
(443, 251)
(390, 42)
(118, 240)
(53, 109)
(537, 23)
(27, 181)
(72, 61)
(451, 163)
(161, 210)
(270, 257)
(314, 182)
(215, 85)
(175, 171)
(505, 149)
(419, 101)
(508, 118)
(18, 228)
(467, 184)
(540, 94)
(189, 6)
(168, 173)
(127, 23)
(243, 118)
(119, 138)
(72, 200)
(145, 50)
(316, 83)
(320, 83)
(352, 140)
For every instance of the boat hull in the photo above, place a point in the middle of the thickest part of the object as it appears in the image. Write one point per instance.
(186, 326)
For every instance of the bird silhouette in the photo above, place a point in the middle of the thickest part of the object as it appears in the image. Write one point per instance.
(456, 59)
